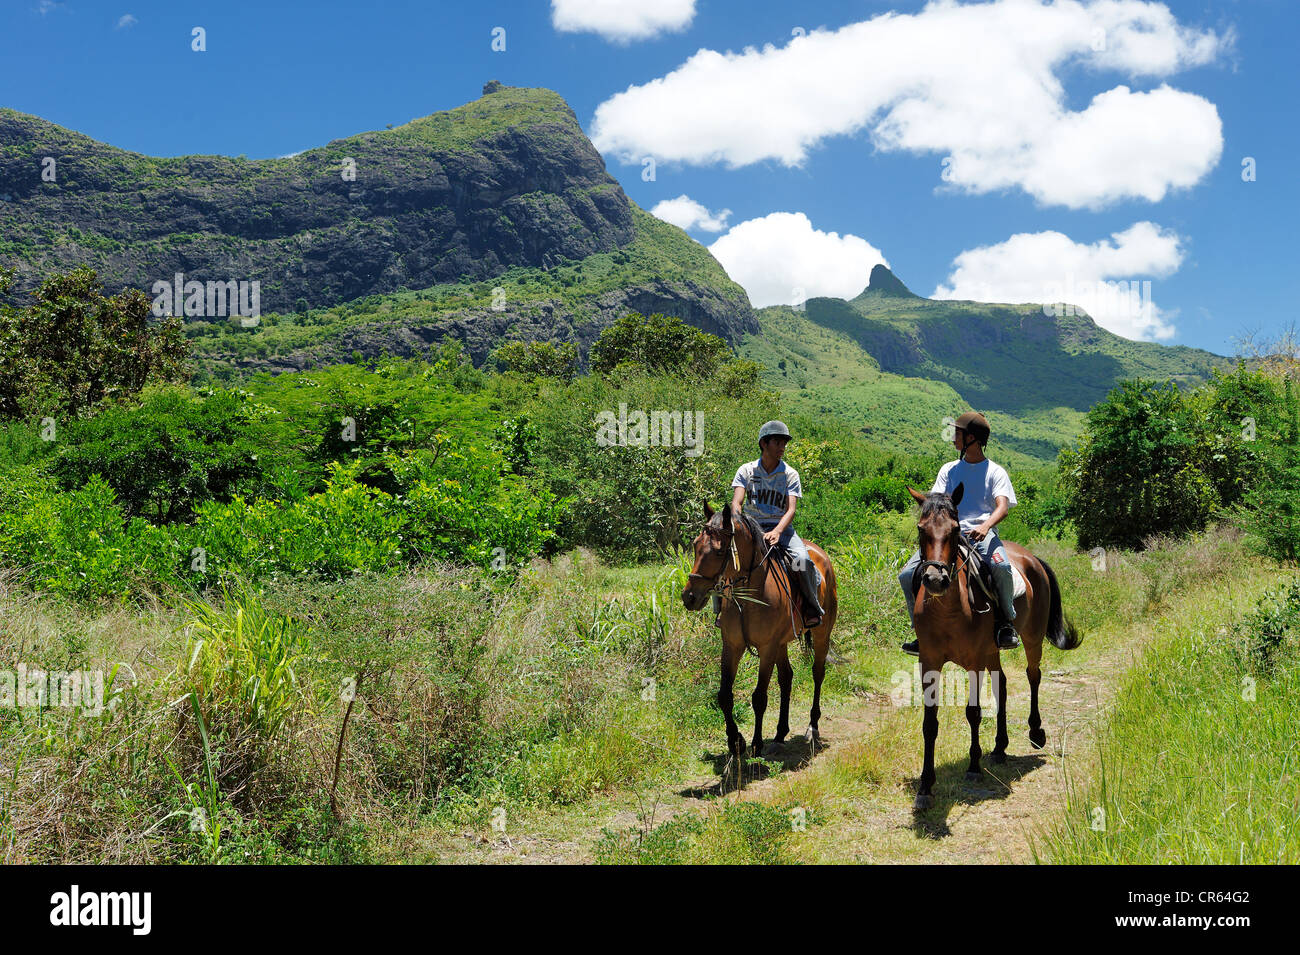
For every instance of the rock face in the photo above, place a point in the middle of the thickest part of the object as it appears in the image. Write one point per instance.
(884, 282)
(506, 181)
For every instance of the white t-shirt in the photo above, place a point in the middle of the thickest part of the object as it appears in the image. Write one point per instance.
(982, 485)
(766, 494)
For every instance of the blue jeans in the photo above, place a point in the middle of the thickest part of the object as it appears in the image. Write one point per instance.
(994, 554)
(804, 568)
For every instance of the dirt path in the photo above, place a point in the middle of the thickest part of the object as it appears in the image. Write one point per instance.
(863, 780)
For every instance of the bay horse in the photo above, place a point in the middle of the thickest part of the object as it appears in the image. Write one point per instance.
(948, 629)
(732, 558)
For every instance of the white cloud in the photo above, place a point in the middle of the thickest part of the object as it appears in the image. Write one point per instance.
(622, 20)
(45, 6)
(780, 259)
(127, 21)
(1108, 279)
(978, 87)
(685, 213)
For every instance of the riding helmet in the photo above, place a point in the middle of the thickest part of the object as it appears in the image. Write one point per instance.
(975, 425)
(772, 429)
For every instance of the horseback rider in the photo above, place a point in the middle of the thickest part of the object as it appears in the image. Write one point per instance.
(769, 489)
(986, 499)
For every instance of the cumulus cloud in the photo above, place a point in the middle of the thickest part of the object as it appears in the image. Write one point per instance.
(622, 20)
(780, 259)
(685, 213)
(127, 20)
(1111, 279)
(979, 87)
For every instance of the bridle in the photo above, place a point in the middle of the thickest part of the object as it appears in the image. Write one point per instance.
(737, 579)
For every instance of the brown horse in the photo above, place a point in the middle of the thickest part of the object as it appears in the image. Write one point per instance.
(947, 629)
(732, 558)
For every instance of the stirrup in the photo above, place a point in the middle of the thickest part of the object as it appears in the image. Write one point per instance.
(1006, 637)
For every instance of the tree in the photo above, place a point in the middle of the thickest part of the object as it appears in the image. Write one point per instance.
(538, 359)
(659, 343)
(169, 453)
(1139, 468)
(73, 348)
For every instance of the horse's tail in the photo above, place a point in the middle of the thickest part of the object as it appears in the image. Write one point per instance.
(1060, 629)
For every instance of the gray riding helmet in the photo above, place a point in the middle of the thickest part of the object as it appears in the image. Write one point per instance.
(772, 428)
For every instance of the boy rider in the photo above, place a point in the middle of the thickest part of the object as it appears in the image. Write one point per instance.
(986, 499)
(769, 490)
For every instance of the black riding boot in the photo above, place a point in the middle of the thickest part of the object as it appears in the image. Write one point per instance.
(1004, 634)
(812, 608)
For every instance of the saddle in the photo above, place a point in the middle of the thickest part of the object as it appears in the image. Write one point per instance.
(983, 579)
(792, 576)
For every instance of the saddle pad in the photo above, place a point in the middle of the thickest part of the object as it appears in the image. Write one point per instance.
(1019, 579)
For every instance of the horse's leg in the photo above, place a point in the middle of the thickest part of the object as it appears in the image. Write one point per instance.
(999, 754)
(821, 646)
(1033, 654)
(973, 718)
(766, 659)
(930, 690)
(785, 678)
(731, 654)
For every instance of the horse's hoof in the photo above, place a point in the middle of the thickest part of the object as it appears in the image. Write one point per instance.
(758, 747)
(997, 757)
(1038, 737)
(922, 802)
(812, 737)
(736, 746)
(973, 777)
(780, 736)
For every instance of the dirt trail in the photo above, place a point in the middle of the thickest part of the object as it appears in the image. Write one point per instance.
(981, 822)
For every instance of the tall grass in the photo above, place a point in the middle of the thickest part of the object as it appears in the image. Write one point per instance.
(1197, 760)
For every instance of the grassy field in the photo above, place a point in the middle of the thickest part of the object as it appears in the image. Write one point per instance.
(573, 720)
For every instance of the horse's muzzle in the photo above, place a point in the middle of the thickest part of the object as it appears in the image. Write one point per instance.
(936, 583)
(694, 600)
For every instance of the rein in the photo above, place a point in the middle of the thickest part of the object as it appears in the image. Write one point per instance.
(726, 588)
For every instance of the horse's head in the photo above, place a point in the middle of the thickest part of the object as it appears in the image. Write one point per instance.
(938, 530)
(712, 555)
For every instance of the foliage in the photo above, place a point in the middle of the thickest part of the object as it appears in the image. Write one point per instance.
(657, 344)
(73, 349)
(1139, 468)
(538, 359)
(171, 451)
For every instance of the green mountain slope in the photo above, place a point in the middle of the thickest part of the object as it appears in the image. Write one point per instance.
(507, 185)
(897, 364)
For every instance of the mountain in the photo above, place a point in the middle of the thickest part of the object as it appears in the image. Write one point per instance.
(897, 364)
(506, 184)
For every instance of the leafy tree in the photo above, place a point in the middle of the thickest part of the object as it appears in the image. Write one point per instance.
(1140, 468)
(170, 452)
(659, 343)
(538, 359)
(73, 348)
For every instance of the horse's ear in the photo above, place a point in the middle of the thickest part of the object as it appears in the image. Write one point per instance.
(708, 512)
(956, 495)
(920, 498)
(726, 518)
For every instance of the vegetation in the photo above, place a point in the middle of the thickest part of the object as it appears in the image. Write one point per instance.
(347, 614)
(1157, 460)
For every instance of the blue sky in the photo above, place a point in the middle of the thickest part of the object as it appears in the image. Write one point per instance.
(1144, 184)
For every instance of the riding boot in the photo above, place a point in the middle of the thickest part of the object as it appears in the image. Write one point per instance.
(812, 608)
(1004, 633)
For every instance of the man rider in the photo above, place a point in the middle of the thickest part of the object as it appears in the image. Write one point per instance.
(769, 489)
(986, 499)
